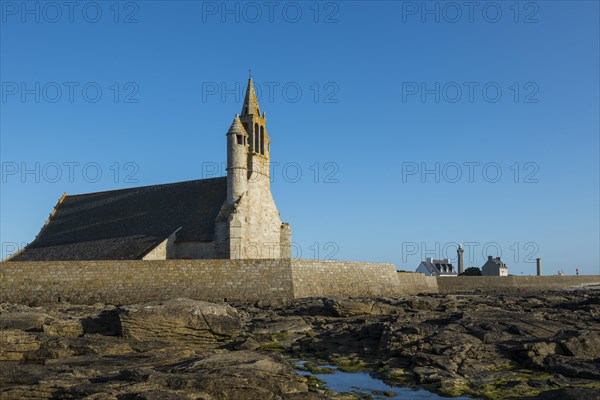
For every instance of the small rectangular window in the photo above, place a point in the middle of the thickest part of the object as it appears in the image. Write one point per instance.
(240, 140)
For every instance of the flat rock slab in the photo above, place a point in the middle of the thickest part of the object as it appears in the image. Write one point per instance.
(244, 375)
(23, 320)
(181, 321)
(14, 344)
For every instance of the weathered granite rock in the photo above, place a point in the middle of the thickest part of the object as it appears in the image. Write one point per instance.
(349, 307)
(584, 345)
(423, 303)
(567, 394)
(572, 367)
(64, 327)
(23, 320)
(354, 307)
(487, 346)
(244, 374)
(484, 346)
(16, 344)
(249, 344)
(182, 321)
(286, 325)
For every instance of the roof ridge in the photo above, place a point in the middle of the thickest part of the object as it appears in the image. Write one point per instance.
(144, 187)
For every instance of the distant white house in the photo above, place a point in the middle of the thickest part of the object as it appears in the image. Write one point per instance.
(431, 267)
(494, 267)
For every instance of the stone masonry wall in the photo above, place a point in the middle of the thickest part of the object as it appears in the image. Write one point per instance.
(127, 282)
(413, 283)
(261, 221)
(164, 250)
(498, 284)
(339, 278)
(195, 250)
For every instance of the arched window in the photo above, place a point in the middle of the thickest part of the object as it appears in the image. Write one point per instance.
(262, 140)
(256, 142)
(250, 135)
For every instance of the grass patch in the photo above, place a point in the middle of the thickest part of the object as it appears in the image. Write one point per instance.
(511, 387)
(282, 336)
(272, 346)
(315, 369)
(386, 393)
(504, 367)
(315, 384)
(349, 364)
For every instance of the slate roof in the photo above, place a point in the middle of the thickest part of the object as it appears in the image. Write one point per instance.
(497, 261)
(437, 267)
(126, 224)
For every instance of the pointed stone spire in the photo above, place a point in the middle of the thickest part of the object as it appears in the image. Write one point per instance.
(236, 127)
(250, 106)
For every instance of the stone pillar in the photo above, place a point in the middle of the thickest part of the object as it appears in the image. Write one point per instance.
(285, 241)
(539, 266)
(461, 265)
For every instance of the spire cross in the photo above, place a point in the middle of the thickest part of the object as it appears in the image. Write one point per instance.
(250, 73)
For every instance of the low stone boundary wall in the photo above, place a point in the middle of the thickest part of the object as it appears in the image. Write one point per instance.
(129, 282)
(416, 282)
(498, 284)
(314, 278)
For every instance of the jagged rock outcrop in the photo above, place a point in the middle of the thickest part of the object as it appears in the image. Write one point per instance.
(542, 346)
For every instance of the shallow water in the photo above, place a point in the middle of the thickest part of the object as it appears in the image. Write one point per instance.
(364, 383)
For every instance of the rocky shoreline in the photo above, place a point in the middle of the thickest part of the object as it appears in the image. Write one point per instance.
(538, 346)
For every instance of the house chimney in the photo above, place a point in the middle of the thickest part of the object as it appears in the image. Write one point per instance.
(489, 258)
(539, 266)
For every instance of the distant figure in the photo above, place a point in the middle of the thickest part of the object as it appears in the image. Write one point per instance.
(576, 271)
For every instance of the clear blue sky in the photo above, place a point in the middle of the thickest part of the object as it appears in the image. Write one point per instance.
(367, 120)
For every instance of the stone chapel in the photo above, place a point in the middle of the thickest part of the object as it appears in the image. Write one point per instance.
(232, 217)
